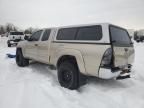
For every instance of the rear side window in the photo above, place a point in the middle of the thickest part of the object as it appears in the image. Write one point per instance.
(119, 36)
(66, 34)
(89, 33)
(46, 35)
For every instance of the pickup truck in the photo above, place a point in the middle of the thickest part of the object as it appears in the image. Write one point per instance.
(100, 50)
(14, 37)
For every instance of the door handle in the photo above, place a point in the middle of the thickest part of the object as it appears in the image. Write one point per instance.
(61, 45)
(36, 44)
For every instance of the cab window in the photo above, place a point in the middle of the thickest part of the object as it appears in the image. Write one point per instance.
(36, 35)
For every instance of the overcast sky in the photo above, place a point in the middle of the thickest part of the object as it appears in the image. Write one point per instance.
(46, 13)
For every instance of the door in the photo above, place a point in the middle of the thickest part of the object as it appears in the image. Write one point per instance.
(43, 46)
(122, 46)
(32, 44)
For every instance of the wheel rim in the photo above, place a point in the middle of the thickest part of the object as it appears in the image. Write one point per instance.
(67, 76)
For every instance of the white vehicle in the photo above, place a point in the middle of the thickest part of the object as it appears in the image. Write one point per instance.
(14, 38)
(100, 50)
(139, 37)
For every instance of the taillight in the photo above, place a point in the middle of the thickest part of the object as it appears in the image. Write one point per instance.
(107, 58)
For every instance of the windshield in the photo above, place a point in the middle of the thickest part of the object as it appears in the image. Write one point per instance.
(119, 36)
(16, 33)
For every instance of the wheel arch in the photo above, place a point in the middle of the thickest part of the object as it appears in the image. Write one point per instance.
(66, 58)
(22, 45)
(69, 54)
(19, 48)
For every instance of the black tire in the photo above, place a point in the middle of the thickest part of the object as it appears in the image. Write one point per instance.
(9, 45)
(68, 75)
(20, 60)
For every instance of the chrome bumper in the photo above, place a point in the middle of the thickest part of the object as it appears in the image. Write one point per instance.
(108, 74)
(119, 74)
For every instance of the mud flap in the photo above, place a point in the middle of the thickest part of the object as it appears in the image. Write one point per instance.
(122, 77)
(82, 79)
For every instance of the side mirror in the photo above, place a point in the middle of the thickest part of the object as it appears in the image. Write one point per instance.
(30, 39)
(26, 37)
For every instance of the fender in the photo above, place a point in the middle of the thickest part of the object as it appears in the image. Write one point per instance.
(22, 46)
(72, 52)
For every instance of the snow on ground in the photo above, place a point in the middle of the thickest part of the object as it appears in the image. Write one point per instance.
(37, 86)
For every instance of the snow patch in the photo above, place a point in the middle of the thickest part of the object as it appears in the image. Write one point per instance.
(36, 86)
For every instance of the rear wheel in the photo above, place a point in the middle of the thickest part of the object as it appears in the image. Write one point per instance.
(20, 60)
(68, 75)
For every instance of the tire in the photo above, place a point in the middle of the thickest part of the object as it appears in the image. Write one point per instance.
(20, 60)
(68, 75)
(138, 41)
(9, 45)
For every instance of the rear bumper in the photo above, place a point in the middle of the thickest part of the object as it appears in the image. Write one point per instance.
(106, 73)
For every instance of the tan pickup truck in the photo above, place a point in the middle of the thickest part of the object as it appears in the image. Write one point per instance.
(100, 50)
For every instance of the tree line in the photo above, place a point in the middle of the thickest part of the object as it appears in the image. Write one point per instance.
(11, 27)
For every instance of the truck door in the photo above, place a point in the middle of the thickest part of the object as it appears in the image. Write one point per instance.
(122, 46)
(44, 46)
(31, 45)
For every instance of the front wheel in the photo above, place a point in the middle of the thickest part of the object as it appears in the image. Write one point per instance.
(68, 75)
(20, 60)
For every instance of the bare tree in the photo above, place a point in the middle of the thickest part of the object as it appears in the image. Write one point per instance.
(2, 30)
(15, 28)
(30, 30)
(135, 35)
(10, 27)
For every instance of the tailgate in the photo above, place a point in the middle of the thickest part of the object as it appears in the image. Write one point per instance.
(123, 55)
